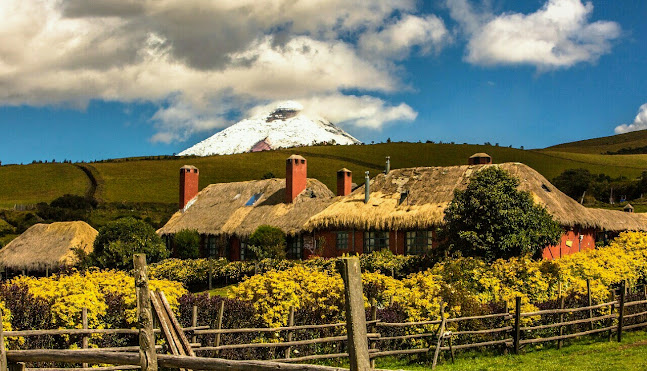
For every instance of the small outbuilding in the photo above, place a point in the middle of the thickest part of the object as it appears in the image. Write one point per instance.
(48, 247)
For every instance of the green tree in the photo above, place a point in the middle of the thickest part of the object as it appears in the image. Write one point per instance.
(118, 240)
(493, 219)
(573, 182)
(187, 244)
(268, 242)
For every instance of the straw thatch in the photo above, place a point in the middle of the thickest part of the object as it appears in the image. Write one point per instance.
(416, 198)
(220, 209)
(48, 246)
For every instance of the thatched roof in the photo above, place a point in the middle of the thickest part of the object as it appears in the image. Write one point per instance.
(48, 246)
(430, 189)
(221, 208)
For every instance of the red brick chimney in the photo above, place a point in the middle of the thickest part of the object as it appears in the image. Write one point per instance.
(188, 184)
(344, 182)
(296, 175)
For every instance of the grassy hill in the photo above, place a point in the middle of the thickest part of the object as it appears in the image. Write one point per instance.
(141, 180)
(613, 143)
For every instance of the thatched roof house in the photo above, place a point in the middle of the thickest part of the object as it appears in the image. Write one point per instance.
(47, 246)
(416, 198)
(239, 208)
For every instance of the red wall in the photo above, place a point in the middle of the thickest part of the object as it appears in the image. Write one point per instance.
(573, 235)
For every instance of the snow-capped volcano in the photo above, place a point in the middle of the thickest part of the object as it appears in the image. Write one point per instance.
(285, 126)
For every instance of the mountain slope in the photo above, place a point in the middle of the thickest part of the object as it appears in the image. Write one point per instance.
(614, 143)
(284, 127)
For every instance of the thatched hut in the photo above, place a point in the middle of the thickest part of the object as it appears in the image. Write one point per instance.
(47, 247)
(405, 206)
(226, 214)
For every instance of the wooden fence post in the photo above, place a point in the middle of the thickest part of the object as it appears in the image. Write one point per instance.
(355, 315)
(517, 325)
(441, 335)
(507, 310)
(84, 322)
(194, 322)
(374, 326)
(621, 309)
(562, 303)
(289, 336)
(3, 351)
(147, 355)
(221, 312)
(590, 301)
(612, 298)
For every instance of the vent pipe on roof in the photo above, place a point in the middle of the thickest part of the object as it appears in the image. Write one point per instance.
(388, 165)
(367, 187)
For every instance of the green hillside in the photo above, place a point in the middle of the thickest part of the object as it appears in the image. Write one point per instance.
(140, 180)
(29, 184)
(603, 145)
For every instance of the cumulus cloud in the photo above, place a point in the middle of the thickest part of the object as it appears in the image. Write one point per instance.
(205, 61)
(397, 39)
(640, 122)
(559, 35)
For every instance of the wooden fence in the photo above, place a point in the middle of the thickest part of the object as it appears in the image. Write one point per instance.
(505, 331)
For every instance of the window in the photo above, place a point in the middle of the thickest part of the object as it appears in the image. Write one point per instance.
(212, 246)
(252, 200)
(295, 247)
(245, 252)
(376, 241)
(342, 240)
(418, 242)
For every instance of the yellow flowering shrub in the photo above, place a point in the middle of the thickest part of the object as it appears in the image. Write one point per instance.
(274, 292)
(6, 317)
(69, 293)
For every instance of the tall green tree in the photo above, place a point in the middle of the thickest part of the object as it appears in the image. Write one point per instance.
(573, 182)
(268, 242)
(493, 219)
(117, 241)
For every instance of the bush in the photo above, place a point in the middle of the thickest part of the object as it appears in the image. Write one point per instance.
(117, 242)
(492, 219)
(268, 242)
(187, 244)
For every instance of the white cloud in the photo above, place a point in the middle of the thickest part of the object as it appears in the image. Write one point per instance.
(204, 61)
(397, 39)
(559, 35)
(640, 122)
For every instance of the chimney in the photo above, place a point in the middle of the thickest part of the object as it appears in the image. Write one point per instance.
(367, 188)
(344, 182)
(388, 165)
(296, 175)
(188, 184)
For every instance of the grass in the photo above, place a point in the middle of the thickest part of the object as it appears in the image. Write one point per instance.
(30, 184)
(612, 143)
(157, 181)
(219, 291)
(584, 354)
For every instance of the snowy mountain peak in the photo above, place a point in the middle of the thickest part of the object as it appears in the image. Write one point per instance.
(284, 126)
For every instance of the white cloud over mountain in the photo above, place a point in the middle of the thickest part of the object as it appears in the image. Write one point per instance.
(640, 122)
(201, 61)
(559, 35)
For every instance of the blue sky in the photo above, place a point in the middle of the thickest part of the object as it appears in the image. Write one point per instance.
(115, 78)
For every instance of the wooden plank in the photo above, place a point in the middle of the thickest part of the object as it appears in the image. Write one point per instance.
(221, 313)
(574, 322)
(481, 344)
(553, 338)
(488, 331)
(621, 310)
(109, 368)
(71, 356)
(441, 334)
(289, 336)
(147, 355)
(178, 328)
(164, 324)
(517, 325)
(632, 303)
(566, 310)
(486, 316)
(283, 344)
(286, 328)
(194, 321)
(70, 331)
